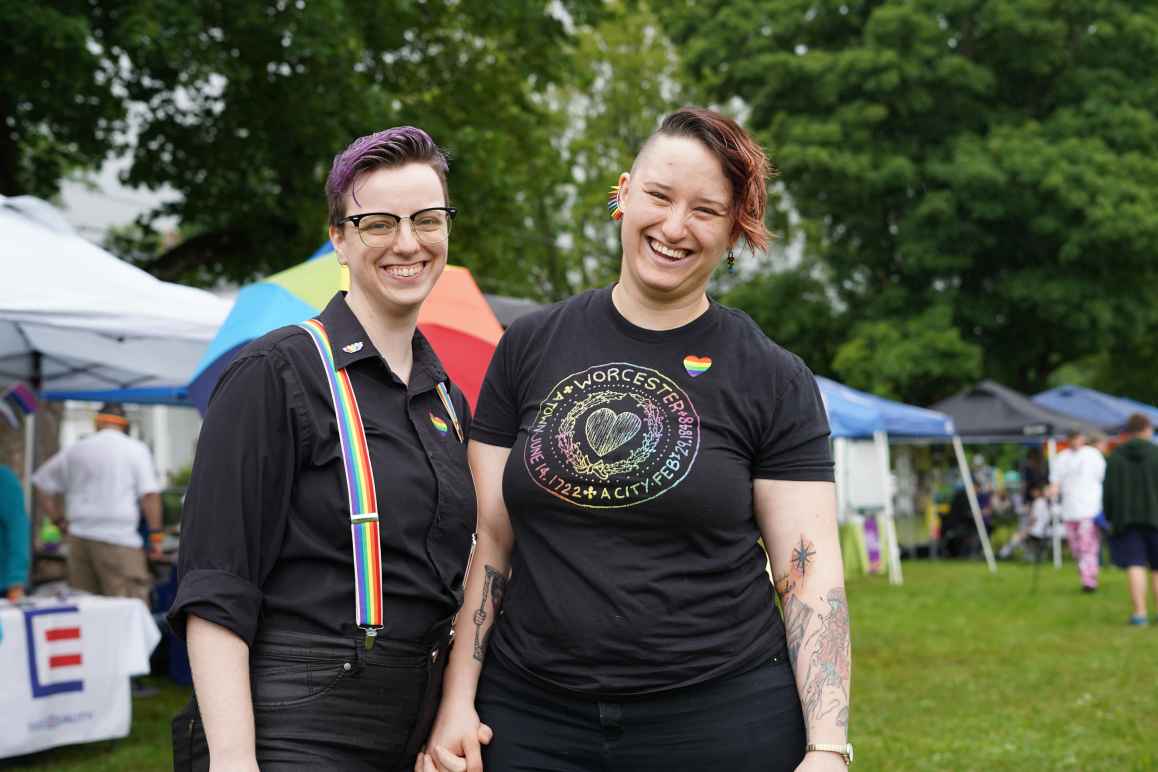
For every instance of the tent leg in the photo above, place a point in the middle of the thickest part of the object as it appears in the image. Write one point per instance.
(1054, 524)
(967, 478)
(881, 440)
(29, 459)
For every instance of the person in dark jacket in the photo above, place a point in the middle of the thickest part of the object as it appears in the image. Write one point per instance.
(1130, 502)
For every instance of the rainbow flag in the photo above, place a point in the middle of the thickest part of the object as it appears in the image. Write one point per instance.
(17, 401)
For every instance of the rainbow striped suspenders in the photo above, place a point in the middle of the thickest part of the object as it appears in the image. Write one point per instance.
(360, 483)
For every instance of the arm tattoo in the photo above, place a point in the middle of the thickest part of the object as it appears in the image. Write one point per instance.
(823, 632)
(830, 665)
(796, 617)
(494, 586)
(802, 556)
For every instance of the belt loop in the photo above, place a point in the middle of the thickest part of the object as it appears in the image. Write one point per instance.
(360, 653)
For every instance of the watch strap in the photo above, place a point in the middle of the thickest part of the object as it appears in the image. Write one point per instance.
(843, 750)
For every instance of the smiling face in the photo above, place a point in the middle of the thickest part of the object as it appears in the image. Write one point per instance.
(395, 279)
(677, 220)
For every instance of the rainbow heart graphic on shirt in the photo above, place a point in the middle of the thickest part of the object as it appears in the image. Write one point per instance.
(439, 424)
(697, 366)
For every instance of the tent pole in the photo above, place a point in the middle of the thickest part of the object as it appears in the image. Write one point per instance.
(967, 478)
(881, 440)
(1054, 525)
(29, 461)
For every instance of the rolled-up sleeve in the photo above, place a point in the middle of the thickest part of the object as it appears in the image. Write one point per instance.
(239, 496)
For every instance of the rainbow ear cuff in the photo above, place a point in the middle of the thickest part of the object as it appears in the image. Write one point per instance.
(613, 204)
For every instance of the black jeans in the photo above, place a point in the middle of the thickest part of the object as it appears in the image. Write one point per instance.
(325, 703)
(751, 721)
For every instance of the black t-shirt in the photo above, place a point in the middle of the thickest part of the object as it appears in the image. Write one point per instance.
(265, 534)
(636, 566)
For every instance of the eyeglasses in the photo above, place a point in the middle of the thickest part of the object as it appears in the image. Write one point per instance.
(379, 229)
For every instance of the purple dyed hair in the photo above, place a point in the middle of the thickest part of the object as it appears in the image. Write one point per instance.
(389, 148)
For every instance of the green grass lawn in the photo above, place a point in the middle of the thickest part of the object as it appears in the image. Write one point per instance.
(963, 670)
(956, 670)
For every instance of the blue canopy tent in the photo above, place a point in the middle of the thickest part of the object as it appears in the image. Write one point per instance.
(851, 413)
(1107, 412)
(855, 414)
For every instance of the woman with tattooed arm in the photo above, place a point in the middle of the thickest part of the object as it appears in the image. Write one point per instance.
(631, 446)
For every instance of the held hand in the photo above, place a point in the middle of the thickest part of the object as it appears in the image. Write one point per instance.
(454, 744)
(822, 761)
(155, 552)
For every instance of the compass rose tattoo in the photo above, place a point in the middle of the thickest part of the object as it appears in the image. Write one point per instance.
(802, 555)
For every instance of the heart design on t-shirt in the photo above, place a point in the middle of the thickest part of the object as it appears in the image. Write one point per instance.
(607, 430)
(697, 365)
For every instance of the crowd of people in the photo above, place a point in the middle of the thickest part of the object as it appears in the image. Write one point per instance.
(1093, 497)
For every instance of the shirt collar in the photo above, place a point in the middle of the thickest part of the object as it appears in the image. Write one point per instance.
(351, 344)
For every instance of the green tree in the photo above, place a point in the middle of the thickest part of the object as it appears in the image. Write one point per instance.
(240, 108)
(919, 359)
(58, 108)
(623, 80)
(993, 157)
(796, 309)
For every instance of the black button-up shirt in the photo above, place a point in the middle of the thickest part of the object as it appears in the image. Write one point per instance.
(265, 535)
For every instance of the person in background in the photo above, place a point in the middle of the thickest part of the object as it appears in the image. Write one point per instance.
(1076, 476)
(1130, 500)
(107, 479)
(14, 536)
(1033, 472)
(1034, 524)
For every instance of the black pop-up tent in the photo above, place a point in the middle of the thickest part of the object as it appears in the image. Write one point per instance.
(990, 412)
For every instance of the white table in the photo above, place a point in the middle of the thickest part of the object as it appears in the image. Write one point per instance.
(65, 665)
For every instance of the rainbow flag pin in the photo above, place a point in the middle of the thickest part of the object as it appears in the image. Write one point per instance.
(697, 366)
(439, 424)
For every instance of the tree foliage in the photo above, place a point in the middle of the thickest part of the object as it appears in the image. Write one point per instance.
(795, 309)
(992, 157)
(59, 111)
(241, 107)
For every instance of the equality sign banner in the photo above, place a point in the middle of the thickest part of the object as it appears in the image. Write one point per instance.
(65, 668)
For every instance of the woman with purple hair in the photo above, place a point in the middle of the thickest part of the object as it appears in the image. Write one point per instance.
(330, 511)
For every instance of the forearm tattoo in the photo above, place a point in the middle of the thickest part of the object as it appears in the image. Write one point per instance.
(829, 668)
(824, 688)
(494, 586)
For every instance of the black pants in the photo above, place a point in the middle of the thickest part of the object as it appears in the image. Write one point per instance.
(323, 703)
(752, 721)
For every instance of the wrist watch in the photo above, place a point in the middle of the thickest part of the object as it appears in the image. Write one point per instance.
(845, 750)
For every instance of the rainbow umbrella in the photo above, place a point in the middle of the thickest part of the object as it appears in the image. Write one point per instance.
(456, 319)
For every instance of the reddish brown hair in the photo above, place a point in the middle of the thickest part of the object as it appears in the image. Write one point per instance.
(744, 162)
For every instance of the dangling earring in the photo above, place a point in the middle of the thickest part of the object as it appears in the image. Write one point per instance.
(613, 204)
(731, 261)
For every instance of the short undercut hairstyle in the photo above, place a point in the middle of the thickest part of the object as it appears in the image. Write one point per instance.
(1137, 423)
(743, 160)
(385, 149)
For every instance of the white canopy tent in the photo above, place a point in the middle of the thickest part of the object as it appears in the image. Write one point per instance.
(75, 318)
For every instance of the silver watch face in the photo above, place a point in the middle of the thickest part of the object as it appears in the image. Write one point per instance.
(848, 750)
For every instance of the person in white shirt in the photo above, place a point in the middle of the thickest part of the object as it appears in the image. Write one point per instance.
(1076, 476)
(107, 480)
